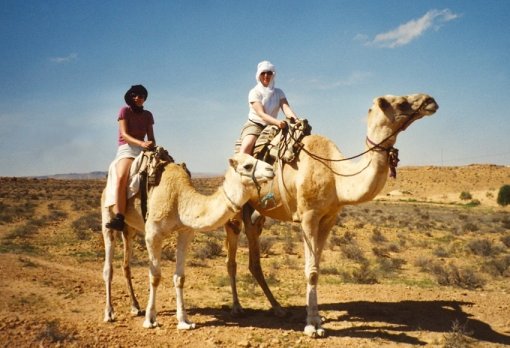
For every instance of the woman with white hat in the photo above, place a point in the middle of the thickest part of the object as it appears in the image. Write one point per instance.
(265, 102)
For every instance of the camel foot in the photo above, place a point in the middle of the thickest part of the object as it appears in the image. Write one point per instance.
(279, 312)
(109, 316)
(186, 325)
(148, 324)
(313, 332)
(237, 311)
(137, 312)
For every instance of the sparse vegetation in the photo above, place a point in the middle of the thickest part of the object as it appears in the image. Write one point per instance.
(504, 195)
(409, 245)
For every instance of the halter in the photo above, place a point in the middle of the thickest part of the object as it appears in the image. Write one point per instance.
(233, 206)
(391, 151)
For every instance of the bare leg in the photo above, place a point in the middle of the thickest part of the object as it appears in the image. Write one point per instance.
(247, 144)
(123, 167)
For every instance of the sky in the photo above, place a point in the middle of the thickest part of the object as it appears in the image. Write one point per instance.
(65, 66)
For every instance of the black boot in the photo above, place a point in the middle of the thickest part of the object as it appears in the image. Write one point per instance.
(116, 223)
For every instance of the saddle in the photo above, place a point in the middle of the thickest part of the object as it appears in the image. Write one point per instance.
(276, 144)
(153, 163)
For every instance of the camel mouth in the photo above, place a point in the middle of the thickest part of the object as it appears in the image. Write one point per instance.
(430, 106)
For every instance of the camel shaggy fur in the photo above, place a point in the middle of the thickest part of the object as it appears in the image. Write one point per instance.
(175, 206)
(314, 188)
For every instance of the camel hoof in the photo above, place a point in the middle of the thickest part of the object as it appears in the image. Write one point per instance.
(321, 332)
(109, 317)
(310, 331)
(237, 312)
(186, 326)
(137, 312)
(150, 324)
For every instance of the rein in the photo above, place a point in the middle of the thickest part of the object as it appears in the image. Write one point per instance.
(391, 151)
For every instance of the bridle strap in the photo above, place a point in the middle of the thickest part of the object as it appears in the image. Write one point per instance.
(232, 205)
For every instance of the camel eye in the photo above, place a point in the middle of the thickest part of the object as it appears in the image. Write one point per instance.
(248, 166)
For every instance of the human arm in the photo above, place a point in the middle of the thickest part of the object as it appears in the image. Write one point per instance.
(259, 109)
(284, 104)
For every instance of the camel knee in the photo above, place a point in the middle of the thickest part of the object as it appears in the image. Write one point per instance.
(179, 281)
(313, 278)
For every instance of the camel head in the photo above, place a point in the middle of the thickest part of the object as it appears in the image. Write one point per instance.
(245, 177)
(389, 115)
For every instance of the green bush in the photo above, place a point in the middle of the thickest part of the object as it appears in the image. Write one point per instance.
(504, 195)
(465, 196)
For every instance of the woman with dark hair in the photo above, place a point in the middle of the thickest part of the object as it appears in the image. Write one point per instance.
(135, 124)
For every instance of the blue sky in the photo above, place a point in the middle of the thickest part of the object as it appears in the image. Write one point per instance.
(65, 66)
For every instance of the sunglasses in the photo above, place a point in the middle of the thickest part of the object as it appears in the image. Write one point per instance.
(269, 73)
(141, 96)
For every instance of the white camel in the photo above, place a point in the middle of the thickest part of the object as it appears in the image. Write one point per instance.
(175, 206)
(314, 188)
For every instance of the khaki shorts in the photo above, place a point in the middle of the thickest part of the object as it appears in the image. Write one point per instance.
(249, 128)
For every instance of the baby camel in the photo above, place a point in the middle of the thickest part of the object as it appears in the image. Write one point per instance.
(314, 188)
(175, 206)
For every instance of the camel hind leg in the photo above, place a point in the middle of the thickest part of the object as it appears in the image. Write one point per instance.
(127, 236)
(109, 246)
(232, 230)
(253, 224)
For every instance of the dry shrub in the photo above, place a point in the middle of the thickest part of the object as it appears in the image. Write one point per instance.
(365, 274)
(87, 224)
(506, 240)
(208, 250)
(266, 244)
(390, 265)
(458, 337)
(463, 277)
(498, 267)
(378, 237)
(482, 247)
(54, 333)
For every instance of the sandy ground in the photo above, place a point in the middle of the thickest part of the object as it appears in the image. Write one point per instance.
(53, 294)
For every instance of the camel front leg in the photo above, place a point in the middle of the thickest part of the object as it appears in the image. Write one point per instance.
(128, 234)
(309, 225)
(153, 241)
(232, 229)
(184, 238)
(109, 243)
(315, 234)
(253, 224)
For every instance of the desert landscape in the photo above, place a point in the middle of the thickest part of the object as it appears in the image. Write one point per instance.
(427, 263)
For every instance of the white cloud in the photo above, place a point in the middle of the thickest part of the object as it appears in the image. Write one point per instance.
(66, 59)
(413, 29)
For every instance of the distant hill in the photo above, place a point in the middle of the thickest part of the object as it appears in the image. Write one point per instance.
(102, 175)
(76, 176)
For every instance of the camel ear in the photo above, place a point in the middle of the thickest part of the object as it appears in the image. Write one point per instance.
(232, 162)
(383, 104)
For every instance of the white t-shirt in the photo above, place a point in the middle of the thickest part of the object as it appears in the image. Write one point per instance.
(270, 100)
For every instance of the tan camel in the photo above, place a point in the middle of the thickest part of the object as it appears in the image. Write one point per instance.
(175, 206)
(317, 186)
